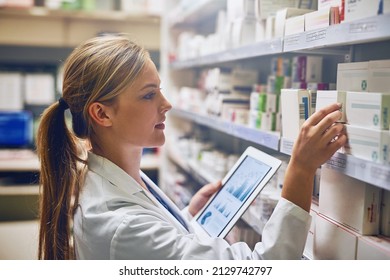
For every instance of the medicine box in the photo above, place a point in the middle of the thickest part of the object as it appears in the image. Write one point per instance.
(350, 202)
(282, 15)
(294, 25)
(327, 97)
(368, 109)
(368, 144)
(11, 94)
(355, 10)
(352, 76)
(295, 106)
(306, 69)
(317, 19)
(373, 248)
(385, 213)
(40, 89)
(243, 32)
(379, 75)
(266, 8)
(332, 241)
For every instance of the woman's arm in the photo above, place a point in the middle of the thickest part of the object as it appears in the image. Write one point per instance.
(320, 137)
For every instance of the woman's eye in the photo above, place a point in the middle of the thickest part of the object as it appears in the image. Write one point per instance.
(149, 95)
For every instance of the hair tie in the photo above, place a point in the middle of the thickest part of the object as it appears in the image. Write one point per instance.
(62, 103)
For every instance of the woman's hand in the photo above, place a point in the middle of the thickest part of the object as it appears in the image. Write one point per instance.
(320, 137)
(202, 196)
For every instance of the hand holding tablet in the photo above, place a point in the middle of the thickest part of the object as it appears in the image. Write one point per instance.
(239, 188)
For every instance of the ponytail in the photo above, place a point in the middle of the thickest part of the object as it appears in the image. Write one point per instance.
(60, 180)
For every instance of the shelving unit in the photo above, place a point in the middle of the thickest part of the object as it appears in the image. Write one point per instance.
(349, 41)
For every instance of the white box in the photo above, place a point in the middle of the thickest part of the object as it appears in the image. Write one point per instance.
(359, 9)
(237, 9)
(295, 107)
(385, 214)
(282, 15)
(373, 248)
(11, 94)
(332, 241)
(307, 69)
(266, 8)
(243, 32)
(294, 25)
(352, 76)
(327, 97)
(350, 202)
(243, 78)
(328, 3)
(40, 89)
(379, 75)
(368, 109)
(317, 19)
(369, 144)
(270, 28)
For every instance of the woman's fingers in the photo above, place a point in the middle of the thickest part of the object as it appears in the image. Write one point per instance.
(324, 114)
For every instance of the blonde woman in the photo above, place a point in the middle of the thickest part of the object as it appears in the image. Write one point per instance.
(103, 207)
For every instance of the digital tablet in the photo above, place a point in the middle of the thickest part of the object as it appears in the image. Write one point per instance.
(239, 188)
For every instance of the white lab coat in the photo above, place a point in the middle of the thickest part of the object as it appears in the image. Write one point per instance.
(118, 219)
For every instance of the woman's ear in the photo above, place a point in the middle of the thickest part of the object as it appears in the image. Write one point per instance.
(99, 113)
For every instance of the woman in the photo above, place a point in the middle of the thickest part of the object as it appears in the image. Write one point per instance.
(102, 207)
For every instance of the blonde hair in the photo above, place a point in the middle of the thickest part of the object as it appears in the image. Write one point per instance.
(96, 71)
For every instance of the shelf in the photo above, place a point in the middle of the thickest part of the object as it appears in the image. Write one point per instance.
(267, 139)
(195, 12)
(19, 190)
(347, 33)
(18, 161)
(122, 16)
(270, 47)
(326, 41)
(370, 172)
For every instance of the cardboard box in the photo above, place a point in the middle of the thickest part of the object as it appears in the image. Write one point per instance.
(282, 15)
(359, 9)
(385, 214)
(368, 144)
(295, 107)
(373, 248)
(350, 202)
(327, 97)
(352, 76)
(379, 75)
(306, 69)
(294, 25)
(317, 19)
(333, 241)
(368, 109)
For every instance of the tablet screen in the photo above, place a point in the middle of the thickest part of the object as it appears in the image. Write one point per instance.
(232, 196)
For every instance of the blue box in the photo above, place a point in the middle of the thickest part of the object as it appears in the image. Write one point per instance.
(16, 129)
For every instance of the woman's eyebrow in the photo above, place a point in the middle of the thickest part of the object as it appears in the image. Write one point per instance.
(149, 85)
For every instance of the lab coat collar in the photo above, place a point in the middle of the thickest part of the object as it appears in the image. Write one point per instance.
(113, 173)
